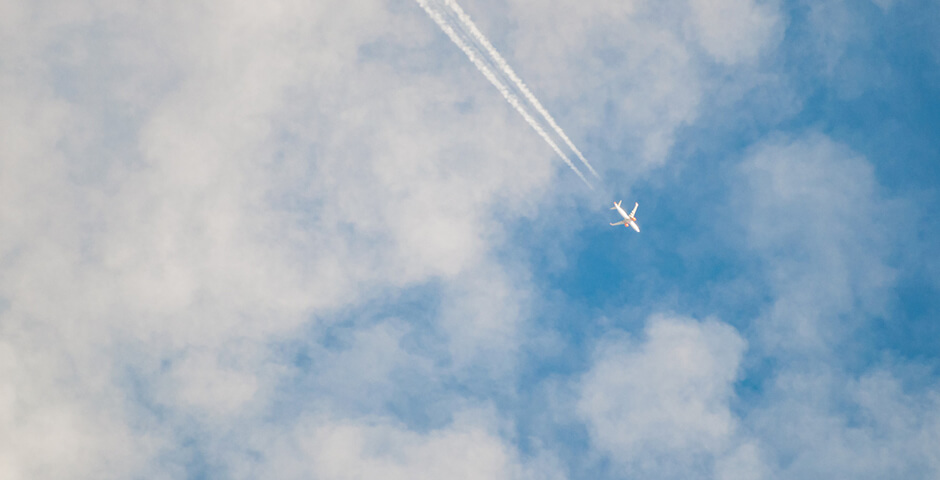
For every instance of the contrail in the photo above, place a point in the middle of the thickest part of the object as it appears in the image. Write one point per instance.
(509, 96)
(504, 66)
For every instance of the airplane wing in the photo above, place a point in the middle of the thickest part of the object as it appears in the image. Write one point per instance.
(618, 223)
(633, 213)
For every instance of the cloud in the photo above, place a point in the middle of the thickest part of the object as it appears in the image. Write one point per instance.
(811, 210)
(282, 240)
(663, 404)
(646, 65)
(65, 420)
(322, 448)
(839, 46)
(735, 31)
(250, 175)
(821, 424)
(885, 5)
(197, 382)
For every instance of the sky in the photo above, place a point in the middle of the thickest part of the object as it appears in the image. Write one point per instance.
(309, 239)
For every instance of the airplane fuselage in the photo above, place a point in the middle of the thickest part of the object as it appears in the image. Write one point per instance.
(622, 212)
(629, 220)
(631, 223)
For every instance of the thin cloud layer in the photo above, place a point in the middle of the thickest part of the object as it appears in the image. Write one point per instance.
(811, 207)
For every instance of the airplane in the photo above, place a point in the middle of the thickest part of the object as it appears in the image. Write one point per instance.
(629, 220)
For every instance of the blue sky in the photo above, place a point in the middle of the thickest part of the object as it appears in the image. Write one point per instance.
(300, 239)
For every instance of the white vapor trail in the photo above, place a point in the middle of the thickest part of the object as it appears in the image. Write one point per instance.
(503, 89)
(504, 66)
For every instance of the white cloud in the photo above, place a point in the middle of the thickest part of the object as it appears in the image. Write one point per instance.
(249, 171)
(198, 382)
(328, 449)
(813, 210)
(371, 367)
(735, 31)
(885, 5)
(743, 463)
(186, 188)
(663, 405)
(638, 62)
(821, 424)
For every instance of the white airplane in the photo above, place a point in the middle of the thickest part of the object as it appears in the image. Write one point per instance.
(629, 220)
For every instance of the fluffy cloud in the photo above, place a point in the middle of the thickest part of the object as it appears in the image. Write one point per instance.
(664, 404)
(211, 216)
(185, 187)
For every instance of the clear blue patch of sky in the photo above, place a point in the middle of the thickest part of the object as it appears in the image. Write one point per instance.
(911, 330)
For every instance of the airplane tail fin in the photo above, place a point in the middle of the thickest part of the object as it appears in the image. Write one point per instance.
(616, 204)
